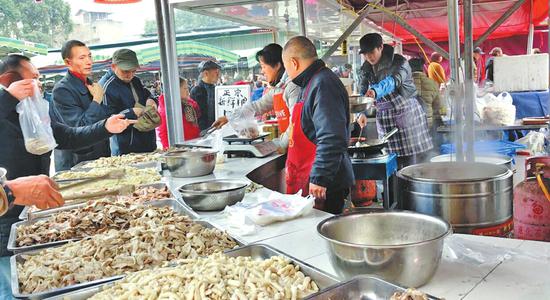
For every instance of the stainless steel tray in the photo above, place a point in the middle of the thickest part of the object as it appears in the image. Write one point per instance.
(12, 246)
(81, 166)
(256, 251)
(361, 287)
(26, 214)
(18, 258)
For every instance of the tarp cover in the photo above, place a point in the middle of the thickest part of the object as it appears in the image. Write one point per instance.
(430, 17)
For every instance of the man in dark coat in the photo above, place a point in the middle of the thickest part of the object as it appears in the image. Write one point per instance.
(78, 102)
(17, 80)
(318, 146)
(204, 92)
(387, 77)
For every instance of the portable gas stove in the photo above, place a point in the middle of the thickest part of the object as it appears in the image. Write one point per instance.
(243, 147)
(377, 166)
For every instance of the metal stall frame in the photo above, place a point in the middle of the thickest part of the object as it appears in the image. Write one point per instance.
(169, 69)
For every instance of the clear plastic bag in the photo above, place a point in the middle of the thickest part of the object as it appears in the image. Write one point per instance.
(500, 110)
(244, 122)
(35, 123)
(534, 141)
(278, 207)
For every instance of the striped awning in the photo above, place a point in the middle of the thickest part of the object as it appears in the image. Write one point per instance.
(9, 46)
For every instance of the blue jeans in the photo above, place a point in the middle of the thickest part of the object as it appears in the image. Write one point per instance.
(5, 284)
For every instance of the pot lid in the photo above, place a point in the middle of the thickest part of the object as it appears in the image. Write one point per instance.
(490, 159)
(453, 171)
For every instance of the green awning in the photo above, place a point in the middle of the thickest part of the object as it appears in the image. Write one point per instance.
(150, 54)
(9, 45)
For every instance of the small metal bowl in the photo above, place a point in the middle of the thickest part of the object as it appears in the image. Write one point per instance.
(189, 163)
(399, 246)
(213, 195)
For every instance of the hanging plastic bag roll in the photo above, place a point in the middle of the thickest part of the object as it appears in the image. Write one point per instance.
(35, 123)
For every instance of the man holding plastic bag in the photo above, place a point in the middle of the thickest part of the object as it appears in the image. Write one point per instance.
(18, 85)
(318, 160)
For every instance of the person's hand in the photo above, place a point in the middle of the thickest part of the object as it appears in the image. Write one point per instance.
(371, 93)
(138, 111)
(362, 120)
(220, 122)
(151, 102)
(97, 92)
(21, 89)
(40, 191)
(281, 150)
(117, 123)
(317, 191)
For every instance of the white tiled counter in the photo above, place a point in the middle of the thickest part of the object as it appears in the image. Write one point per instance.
(496, 268)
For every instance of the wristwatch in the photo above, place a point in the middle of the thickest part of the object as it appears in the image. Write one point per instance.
(9, 195)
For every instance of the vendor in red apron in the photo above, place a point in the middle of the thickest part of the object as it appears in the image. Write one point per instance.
(318, 162)
(387, 77)
(281, 95)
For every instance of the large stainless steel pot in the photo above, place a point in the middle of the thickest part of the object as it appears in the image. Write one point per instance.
(468, 195)
(189, 163)
(398, 246)
(495, 159)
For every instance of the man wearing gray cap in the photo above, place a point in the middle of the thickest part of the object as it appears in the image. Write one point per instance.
(125, 94)
(204, 92)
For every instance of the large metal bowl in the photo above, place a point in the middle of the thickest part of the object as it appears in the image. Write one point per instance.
(399, 246)
(189, 163)
(213, 195)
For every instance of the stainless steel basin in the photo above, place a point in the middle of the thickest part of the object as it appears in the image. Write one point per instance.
(189, 163)
(213, 194)
(399, 246)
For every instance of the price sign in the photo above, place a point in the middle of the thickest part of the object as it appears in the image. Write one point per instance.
(231, 97)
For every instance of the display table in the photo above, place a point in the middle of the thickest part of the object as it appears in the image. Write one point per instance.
(512, 269)
(497, 269)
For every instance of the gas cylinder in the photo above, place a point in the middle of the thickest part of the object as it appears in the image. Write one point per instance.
(363, 193)
(531, 204)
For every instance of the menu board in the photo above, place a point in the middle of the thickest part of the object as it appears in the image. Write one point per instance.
(231, 97)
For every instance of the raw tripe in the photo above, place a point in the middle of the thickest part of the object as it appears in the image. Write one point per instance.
(123, 160)
(216, 277)
(147, 243)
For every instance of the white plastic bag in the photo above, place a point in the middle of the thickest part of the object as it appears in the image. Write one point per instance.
(244, 122)
(280, 207)
(35, 122)
(534, 141)
(500, 110)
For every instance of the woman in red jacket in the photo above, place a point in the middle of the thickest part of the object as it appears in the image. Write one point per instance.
(190, 113)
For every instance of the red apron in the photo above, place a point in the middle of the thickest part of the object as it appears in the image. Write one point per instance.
(281, 112)
(301, 152)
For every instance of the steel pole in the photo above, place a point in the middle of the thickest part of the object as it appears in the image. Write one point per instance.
(302, 17)
(417, 34)
(499, 22)
(455, 88)
(169, 71)
(531, 34)
(348, 31)
(469, 84)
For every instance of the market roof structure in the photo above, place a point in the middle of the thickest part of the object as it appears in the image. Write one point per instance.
(429, 17)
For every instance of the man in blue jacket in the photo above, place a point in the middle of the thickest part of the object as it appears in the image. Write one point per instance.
(78, 102)
(125, 94)
(318, 145)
